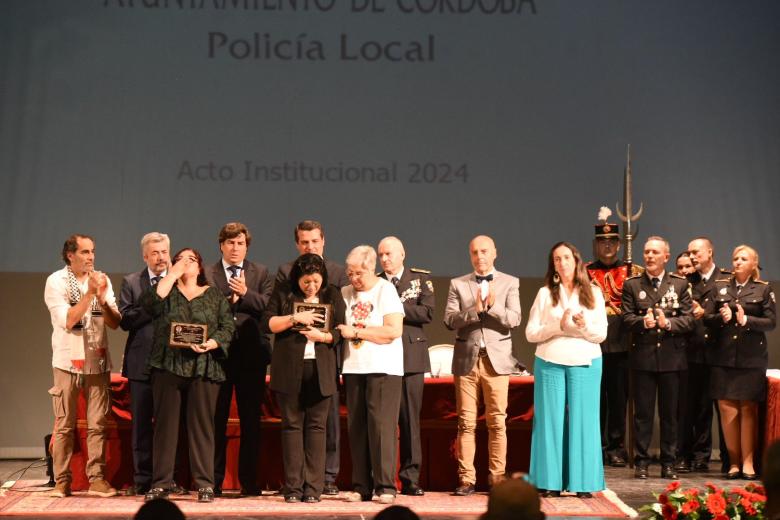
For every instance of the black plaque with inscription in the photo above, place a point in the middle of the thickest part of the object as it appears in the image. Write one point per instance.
(322, 310)
(185, 335)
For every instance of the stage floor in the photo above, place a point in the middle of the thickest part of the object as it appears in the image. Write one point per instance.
(32, 502)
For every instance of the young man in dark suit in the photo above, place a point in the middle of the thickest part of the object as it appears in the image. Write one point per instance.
(310, 238)
(247, 286)
(416, 292)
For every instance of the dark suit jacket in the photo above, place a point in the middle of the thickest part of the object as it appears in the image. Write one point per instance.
(250, 348)
(735, 345)
(702, 338)
(416, 292)
(289, 345)
(138, 323)
(658, 350)
(337, 277)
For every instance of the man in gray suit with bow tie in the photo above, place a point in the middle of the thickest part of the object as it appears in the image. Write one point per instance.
(482, 307)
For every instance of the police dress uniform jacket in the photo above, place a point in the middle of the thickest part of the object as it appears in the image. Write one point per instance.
(702, 338)
(416, 292)
(740, 346)
(491, 328)
(655, 349)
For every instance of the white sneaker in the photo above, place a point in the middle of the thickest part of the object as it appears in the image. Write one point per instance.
(386, 498)
(352, 496)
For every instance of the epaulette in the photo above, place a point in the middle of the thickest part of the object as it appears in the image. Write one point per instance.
(762, 282)
(724, 271)
(637, 270)
(418, 270)
(678, 276)
(635, 276)
(726, 280)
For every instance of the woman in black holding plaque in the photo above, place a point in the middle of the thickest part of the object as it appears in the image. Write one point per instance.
(185, 360)
(303, 371)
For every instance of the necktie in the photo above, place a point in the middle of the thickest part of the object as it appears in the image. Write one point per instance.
(395, 280)
(704, 279)
(739, 288)
(487, 278)
(156, 280)
(656, 282)
(234, 269)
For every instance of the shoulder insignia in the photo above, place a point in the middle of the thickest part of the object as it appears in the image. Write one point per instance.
(762, 282)
(637, 270)
(723, 280)
(678, 276)
(634, 277)
(724, 271)
(419, 270)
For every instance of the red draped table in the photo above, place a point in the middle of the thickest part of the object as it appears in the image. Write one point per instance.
(438, 425)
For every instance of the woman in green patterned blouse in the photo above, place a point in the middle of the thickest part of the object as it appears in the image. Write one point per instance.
(183, 296)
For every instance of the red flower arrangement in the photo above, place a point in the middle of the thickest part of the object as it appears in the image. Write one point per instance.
(714, 503)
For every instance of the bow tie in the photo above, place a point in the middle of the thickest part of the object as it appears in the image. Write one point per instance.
(486, 278)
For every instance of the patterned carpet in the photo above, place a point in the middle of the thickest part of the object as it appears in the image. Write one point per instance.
(26, 498)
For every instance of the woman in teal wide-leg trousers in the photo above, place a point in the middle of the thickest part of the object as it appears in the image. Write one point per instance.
(566, 445)
(567, 322)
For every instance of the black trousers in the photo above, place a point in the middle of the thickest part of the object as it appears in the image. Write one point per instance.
(333, 438)
(142, 410)
(201, 400)
(412, 386)
(614, 402)
(249, 386)
(646, 385)
(372, 403)
(694, 442)
(303, 435)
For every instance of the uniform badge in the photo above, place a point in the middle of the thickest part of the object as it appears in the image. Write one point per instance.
(723, 290)
(772, 295)
(642, 295)
(429, 284)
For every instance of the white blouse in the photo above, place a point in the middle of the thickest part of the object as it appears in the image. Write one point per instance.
(571, 346)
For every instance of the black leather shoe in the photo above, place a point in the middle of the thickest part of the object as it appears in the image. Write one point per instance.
(205, 494)
(178, 490)
(584, 494)
(549, 493)
(308, 499)
(413, 490)
(464, 490)
(683, 466)
(667, 471)
(156, 493)
(733, 475)
(640, 472)
(701, 466)
(136, 491)
(330, 489)
(292, 499)
(616, 461)
(749, 476)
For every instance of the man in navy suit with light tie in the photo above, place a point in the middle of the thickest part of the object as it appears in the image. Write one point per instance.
(247, 287)
(155, 248)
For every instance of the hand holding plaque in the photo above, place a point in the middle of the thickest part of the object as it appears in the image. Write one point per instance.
(186, 335)
(313, 315)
